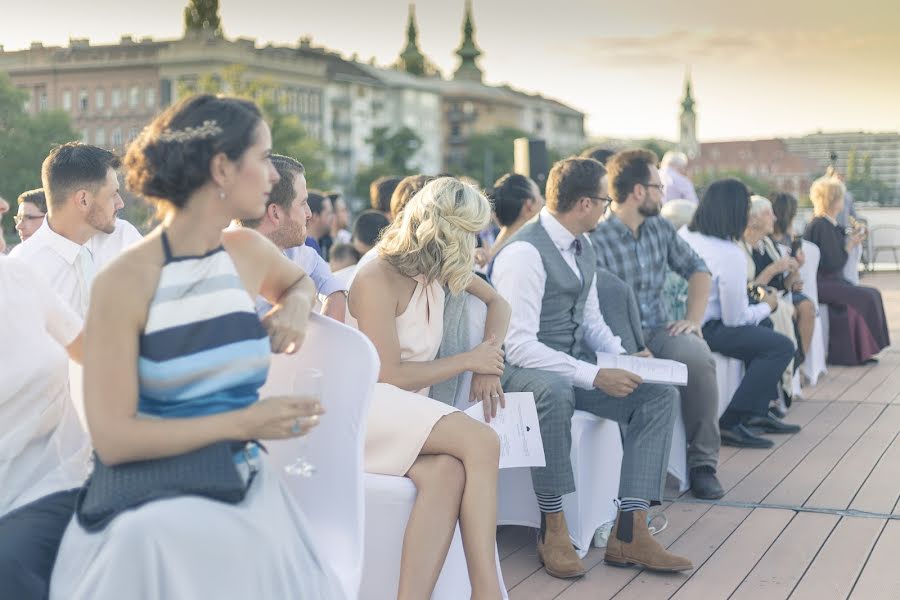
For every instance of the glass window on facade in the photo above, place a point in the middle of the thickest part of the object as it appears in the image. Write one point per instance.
(116, 137)
(100, 99)
(83, 100)
(151, 96)
(100, 137)
(67, 100)
(85, 136)
(43, 101)
(134, 96)
(116, 97)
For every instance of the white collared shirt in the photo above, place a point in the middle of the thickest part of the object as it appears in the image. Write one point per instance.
(727, 264)
(519, 276)
(54, 257)
(43, 448)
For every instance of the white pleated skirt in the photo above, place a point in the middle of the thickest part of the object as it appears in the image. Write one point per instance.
(193, 548)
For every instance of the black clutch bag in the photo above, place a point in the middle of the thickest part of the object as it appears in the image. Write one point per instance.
(210, 472)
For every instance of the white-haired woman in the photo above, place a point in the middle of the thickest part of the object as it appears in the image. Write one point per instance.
(673, 173)
(397, 300)
(858, 326)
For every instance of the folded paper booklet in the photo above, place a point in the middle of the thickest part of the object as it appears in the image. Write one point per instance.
(651, 370)
(519, 431)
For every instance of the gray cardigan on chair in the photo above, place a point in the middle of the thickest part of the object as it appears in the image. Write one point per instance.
(620, 310)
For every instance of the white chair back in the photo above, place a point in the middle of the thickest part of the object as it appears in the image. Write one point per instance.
(809, 269)
(332, 499)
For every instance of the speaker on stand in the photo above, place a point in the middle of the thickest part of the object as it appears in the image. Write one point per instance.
(530, 158)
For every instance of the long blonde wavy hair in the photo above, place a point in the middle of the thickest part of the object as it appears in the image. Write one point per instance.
(435, 233)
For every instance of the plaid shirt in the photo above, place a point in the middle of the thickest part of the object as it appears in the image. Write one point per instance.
(641, 262)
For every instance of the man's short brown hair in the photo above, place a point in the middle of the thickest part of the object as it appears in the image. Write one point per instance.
(572, 179)
(627, 169)
(36, 197)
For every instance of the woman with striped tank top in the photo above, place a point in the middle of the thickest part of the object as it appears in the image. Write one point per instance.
(174, 358)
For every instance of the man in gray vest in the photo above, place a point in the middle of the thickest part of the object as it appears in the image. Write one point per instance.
(547, 272)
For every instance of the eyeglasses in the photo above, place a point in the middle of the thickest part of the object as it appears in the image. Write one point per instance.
(18, 219)
(606, 200)
(661, 187)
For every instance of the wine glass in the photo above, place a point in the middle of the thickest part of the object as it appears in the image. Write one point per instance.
(308, 385)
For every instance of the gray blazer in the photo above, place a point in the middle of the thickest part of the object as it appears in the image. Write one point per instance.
(620, 310)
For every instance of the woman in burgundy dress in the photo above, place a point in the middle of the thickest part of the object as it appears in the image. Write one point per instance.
(858, 327)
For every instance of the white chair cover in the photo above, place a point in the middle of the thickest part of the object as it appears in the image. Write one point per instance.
(332, 499)
(814, 365)
(389, 501)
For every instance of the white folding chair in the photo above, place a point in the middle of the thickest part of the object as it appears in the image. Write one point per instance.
(595, 442)
(814, 364)
(389, 501)
(332, 499)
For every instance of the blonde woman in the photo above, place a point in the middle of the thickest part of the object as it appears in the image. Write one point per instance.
(397, 300)
(857, 322)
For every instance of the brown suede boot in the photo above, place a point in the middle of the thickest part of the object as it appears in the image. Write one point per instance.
(630, 543)
(555, 550)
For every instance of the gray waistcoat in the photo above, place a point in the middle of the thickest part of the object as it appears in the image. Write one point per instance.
(562, 307)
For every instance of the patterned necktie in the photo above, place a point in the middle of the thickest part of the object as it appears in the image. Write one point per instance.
(84, 267)
(576, 244)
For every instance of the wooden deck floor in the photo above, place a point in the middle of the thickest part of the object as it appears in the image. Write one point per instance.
(815, 517)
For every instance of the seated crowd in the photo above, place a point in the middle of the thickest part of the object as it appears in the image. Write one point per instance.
(175, 330)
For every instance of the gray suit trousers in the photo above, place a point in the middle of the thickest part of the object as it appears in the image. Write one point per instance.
(699, 398)
(646, 417)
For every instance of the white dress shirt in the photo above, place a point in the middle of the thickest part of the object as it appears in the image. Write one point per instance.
(43, 449)
(727, 263)
(65, 265)
(677, 185)
(519, 276)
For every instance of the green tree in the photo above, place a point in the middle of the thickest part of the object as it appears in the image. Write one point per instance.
(24, 144)
(864, 186)
(391, 152)
(288, 135)
(490, 155)
(757, 185)
(203, 15)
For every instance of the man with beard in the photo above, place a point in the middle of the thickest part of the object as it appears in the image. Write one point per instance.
(81, 232)
(639, 247)
(285, 224)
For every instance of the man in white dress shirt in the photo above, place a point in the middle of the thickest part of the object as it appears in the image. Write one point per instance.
(284, 223)
(81, 232)
(673, 173)
(547, 272)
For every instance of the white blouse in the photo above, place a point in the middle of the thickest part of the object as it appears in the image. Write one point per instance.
(43, 448)
(727, 263)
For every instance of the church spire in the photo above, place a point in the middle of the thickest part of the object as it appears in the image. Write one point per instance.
(687, 141)
(468, 51)
(411, 59)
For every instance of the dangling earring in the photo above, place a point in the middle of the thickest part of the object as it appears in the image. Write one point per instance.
(221, 194)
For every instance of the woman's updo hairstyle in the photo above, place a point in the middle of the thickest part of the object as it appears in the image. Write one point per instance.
(509, 195)
(171, 157)
(434, 235)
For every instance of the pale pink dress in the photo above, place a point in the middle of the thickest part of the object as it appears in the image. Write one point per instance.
(401, 421)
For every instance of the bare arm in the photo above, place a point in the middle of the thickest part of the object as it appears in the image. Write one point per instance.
(335, 306)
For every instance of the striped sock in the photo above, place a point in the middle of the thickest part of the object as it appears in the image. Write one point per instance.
(549, 503)
(633, 504)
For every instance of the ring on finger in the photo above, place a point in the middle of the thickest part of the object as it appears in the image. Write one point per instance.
(295, 428)
(495, 395)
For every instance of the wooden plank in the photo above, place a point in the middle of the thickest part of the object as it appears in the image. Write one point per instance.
(887, 392)
(728, 567)
(699, 543)
(880, 492)
(801, 482)
(511, 538)
(603, 581)
(840, 561)
(840, 381)
(871, 381)
(519, 565)
(745, 461)
(881, 577)
(779, 463)
(842, 484)
(782, 567)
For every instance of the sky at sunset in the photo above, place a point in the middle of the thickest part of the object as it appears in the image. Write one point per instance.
(761, 68)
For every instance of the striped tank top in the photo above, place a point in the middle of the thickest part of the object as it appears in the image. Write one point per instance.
(203, 350)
